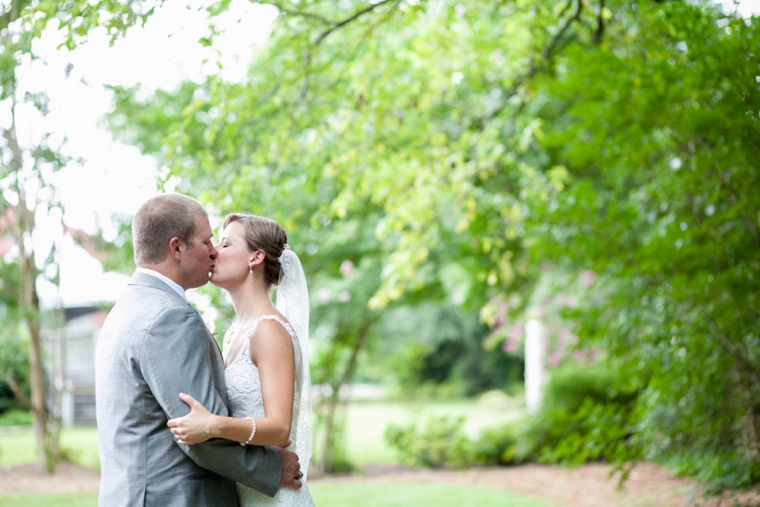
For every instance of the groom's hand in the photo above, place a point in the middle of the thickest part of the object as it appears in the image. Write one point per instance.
(291, 469)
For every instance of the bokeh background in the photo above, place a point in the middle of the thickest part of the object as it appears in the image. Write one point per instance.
(482, 193)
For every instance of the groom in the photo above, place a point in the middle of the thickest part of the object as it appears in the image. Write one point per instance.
(154, 346)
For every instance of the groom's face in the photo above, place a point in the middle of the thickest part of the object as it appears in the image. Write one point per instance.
(198, 259)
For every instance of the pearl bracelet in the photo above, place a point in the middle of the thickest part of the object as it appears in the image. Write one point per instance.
(253, 431)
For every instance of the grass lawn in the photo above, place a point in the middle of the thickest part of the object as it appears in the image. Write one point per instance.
(413, 495)
(365, 442)
(366, 422)
(18, 448)
(348, 495)
(67, 500)
(365, 445)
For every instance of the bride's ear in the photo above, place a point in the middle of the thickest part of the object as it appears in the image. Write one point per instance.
(256, 258)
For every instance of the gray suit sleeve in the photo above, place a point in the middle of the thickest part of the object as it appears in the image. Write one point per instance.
(175, 358)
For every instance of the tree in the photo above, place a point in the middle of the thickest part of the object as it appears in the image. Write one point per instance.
(484, 144)
(661, 202)
(26, 191)
(31, 155)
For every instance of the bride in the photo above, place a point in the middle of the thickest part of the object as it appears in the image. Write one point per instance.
(265, 352)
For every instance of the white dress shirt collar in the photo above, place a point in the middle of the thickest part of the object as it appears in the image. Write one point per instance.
(168, 281)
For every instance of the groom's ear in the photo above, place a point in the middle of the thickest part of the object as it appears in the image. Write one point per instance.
(174, 247)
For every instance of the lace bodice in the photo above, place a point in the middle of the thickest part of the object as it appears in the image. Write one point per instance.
(242, 376)
(245, 400)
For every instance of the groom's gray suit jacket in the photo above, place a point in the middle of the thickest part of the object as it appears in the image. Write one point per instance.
(154, 346)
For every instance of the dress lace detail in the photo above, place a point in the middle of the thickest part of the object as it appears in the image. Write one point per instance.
(244, 394)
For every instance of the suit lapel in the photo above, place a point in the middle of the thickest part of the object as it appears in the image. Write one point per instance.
(216, 356)
(208, 333)
(217, 360)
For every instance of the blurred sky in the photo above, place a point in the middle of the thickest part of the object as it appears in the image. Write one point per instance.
(112, 177)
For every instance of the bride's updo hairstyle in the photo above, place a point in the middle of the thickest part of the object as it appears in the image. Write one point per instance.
(263, 234)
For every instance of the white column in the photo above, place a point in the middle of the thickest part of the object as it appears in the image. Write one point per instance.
(67, 409)
(535, 363)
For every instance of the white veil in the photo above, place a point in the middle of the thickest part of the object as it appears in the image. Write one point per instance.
(293, 302)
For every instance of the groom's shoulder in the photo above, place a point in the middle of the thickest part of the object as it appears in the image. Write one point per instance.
(142, 300)
(144, 304)
(149, 302)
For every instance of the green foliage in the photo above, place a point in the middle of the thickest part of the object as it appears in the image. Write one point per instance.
(441, 442)
(437, 350)
(658, 202)
(455, 154)
(28, 193)
(571, 385)
(500, 445)
(598, 432)
(15, 417)
(717, 469)
(14, 363)
(337, 460)
(77, 17)
(584, 417)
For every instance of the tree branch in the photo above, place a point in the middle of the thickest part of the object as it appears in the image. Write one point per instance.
(536, 64)
(726, 183)
(17, 392)
(334, 26)
(334, 398)
(565, 9)
(348, 373)
(307, 73)
(15, 148)
(557, 38)
(349, 19)
(735, 196)
(302, 14)
(733, 349)
(599, 24)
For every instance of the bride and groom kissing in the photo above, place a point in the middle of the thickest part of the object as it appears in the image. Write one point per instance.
(179, 422)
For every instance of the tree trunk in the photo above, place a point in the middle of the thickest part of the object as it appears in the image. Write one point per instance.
(31, 308)
(327, 462)
(30, 305)
(22, 225)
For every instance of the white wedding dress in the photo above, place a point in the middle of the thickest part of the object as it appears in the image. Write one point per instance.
(244, 394)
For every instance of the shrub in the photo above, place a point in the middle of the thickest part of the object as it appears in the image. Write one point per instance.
(585, 416)
(439, 443)
(720, 471)
(14, 363)
(499, 446)
(16, 417)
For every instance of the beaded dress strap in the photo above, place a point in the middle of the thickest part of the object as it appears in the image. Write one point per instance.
(247, 342)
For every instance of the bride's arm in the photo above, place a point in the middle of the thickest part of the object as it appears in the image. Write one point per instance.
(274, 357)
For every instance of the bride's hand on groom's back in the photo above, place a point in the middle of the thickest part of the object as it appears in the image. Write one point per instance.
(189, 430)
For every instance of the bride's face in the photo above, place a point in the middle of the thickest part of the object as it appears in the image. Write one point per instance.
(233, 257)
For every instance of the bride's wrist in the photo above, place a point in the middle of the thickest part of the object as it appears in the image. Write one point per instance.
(210, 428)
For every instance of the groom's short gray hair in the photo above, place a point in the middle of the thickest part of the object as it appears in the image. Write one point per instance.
(160, 219)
